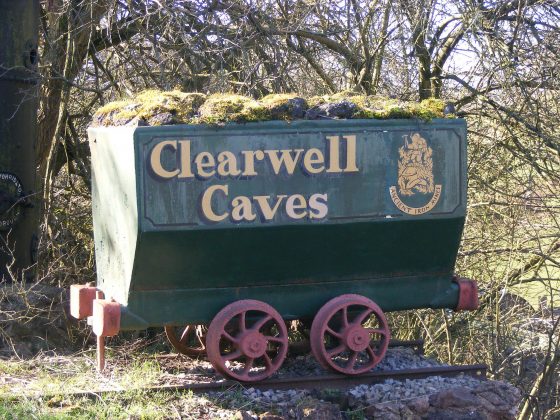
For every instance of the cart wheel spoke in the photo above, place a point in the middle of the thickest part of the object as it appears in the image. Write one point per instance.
(337, 350)
(188, 340)
(242, 322)
(248, 365)
(372, 355)
(345, 316)
(362, 317)
(333, 332)
(233, 355)
(353, 337)
(274, 339)
(259, 324)
(267, 361)
(352, 361)
(228, 337)
(185, 335)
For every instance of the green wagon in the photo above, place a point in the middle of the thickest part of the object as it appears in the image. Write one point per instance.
(244, 226)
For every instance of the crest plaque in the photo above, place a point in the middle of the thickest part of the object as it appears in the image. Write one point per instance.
(415, 175)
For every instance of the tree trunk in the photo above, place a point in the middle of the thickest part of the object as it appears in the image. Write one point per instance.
(67, 36)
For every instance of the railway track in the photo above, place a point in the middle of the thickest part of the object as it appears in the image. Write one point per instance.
(323, 381)
(330, 381)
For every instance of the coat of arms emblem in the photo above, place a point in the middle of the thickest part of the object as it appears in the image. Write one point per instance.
(415, 166)
(415, 175)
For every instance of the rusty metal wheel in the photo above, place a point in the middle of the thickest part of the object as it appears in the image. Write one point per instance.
(349, 334)
(189, 340)
(247, 341)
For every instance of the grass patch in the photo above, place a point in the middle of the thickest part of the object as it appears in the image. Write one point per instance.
(140, 373)
(52, 376)
(42, 388)
(129, 405)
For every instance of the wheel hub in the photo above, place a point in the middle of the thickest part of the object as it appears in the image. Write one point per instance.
(356, 338)
(253, 344)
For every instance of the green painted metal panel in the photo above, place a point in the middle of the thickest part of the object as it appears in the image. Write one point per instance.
(361, 193)
(160, 307)
(115, 215)
(192, 218)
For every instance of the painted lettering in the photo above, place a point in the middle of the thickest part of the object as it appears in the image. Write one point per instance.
(206, 203)
(294, 205)
(264, 206)
(155, 159)
(314, 161)
(249, 161)
(242, 209)
(339, 156)
(279, 158)
(227, 164)
(203, 161)
(204, 165)
(186, 170)
(334, 155)
(350, 154)
(318, 206)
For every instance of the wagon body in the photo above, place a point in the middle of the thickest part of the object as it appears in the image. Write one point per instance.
(190, 218)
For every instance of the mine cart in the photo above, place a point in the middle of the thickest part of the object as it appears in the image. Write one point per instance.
(242, 227)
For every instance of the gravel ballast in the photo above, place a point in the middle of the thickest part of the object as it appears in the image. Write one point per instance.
(433, 397)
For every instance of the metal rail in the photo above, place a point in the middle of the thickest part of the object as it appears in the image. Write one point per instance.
(327, 381)
(333, 381)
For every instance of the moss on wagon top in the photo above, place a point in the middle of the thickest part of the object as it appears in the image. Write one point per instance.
(153, 107)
